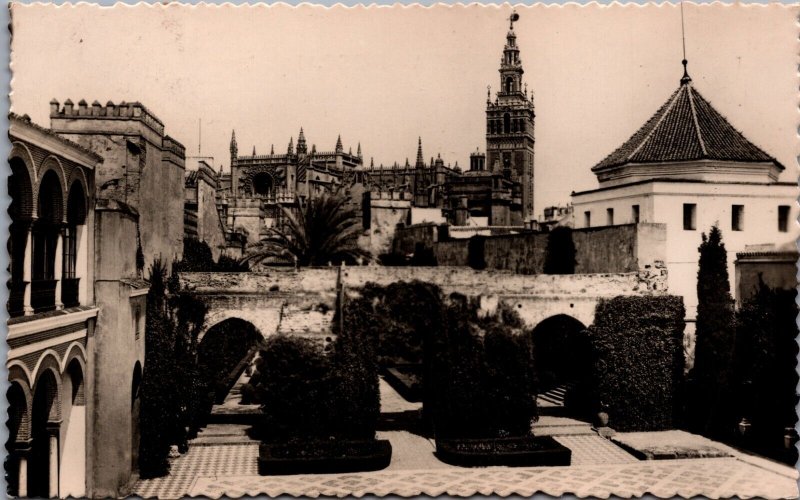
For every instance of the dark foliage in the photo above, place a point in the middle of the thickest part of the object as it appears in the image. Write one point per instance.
(482, 374)
(638, 344)
(560, 252)
(226, 264)
(476, 252)
(766, 357)
(309, 395)
(323, 230)
(196, 257)
(711, 404)
(423, 255)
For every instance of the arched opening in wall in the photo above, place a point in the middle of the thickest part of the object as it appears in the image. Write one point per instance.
(136, 385)
(46, 231)
(76, 220)
(21, 211)
(17, 420)
(263, 184)
(506, 123)
(73, 453)
(44, 438)
(223, 355)
(563, 363)
(509, 84)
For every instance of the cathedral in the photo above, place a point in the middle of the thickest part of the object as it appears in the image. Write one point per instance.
(496, 190)
(250, 197)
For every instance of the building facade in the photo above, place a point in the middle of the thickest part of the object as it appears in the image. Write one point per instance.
(52, 311)
(690, 168)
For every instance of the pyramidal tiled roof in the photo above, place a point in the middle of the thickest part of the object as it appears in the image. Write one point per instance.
(686, 128)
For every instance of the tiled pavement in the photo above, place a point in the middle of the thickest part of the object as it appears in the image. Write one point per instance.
(599, 468)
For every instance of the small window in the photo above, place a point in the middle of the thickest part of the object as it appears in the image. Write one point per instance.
(610, 216)
(635, 214)
(587, 219)
(737, 218)
(783, 218)
(689, 216)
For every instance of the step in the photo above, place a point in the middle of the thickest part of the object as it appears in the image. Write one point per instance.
(222, 440)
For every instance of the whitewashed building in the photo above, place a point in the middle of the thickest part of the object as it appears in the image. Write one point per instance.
(689, 168)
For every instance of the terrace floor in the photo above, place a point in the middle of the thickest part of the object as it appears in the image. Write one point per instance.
(599, 468)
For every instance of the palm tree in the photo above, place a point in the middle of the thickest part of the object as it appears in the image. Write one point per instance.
(323, 230)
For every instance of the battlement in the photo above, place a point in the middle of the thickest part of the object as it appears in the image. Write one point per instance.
(173, 146)
(122, 111)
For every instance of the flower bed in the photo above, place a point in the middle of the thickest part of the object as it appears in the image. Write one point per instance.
(406, 380)
(322, 457)
(526, 451)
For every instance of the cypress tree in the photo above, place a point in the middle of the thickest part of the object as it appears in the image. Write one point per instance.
(712, 375)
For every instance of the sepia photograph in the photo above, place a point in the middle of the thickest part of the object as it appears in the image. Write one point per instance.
(402, 250)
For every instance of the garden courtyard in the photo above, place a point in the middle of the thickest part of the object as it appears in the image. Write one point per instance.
(222, 460)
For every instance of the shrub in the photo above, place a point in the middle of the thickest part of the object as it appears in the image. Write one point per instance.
(479, 374)
(196, 256)
(766, 356)
(560, 252)
(711, 398)
(638, 343)
(226, 264)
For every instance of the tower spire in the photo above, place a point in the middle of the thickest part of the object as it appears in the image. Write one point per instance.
(685, 79)
(254, 150)
(358, 151)
(339, 148)
(291, 146)
(301, 143)
(420, 159)
(234, 146)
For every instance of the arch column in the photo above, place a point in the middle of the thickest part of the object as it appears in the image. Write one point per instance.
(22, 452)
(27, 270)
(58, 268)
(52, 432)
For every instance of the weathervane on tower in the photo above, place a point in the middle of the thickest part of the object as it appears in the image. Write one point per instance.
(513, 18)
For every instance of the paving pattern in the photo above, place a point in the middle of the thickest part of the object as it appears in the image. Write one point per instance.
(711, 477)
(599, 469)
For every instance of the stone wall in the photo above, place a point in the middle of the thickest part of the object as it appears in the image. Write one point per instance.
(612, 249)
(262, 298)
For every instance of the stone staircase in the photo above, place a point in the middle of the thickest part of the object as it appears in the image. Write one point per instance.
(553, 398)
(223, 434)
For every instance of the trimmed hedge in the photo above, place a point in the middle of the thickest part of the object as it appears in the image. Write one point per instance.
(638, 343)
(309, 394)
(479, 374)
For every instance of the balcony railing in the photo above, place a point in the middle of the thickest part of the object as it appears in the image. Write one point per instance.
(16, 298)
(43, 295)
(69, 292)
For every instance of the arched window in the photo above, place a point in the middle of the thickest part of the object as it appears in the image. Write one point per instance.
(509, 84)
(76, 216)
(506, 123)
(263, 184)
(20, 210)
(45, 241)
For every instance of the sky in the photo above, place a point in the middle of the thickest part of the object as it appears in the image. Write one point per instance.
(384, 76)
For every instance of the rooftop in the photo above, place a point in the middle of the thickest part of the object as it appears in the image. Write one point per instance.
(686, 128)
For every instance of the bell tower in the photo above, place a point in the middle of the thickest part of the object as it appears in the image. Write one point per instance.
(509, 123)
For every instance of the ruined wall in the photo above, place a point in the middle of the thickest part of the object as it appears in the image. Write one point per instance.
(265, 298)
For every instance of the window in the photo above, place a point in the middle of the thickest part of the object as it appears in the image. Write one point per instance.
(610, 216)
(587, 219)
(737, 218)
(70, 252)
(635, 214)
(783, 218)
(689, 216)
(506, 123)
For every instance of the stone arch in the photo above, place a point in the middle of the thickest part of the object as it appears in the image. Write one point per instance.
(20, 399)
(263, 184)
(49, 364)
(50, 195)
(75, 374)
(265, 320)
(222, 351)
(563, 359)
(20, 187)
(77, 203)
(76, 350)
(45, 422)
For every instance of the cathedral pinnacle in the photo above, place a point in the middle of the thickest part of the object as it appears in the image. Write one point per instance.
(234, 146)
(339, 148)
(301, 143)
(254, 150)
(291, 146)
(272, 149)
(358, 151)
(420, 159)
